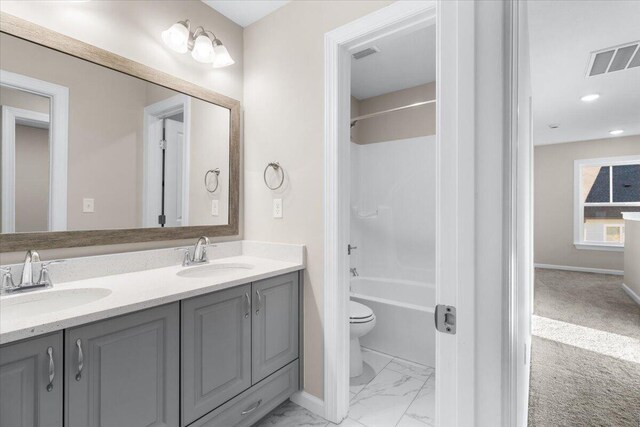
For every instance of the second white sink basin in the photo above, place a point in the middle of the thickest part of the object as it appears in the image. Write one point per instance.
(47, 301)
(213, 270)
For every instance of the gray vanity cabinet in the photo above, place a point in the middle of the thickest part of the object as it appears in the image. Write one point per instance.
(216, 350)
(31, 382)
(275, 324)
(124, 371)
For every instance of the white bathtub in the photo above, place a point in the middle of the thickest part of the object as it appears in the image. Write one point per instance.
(404, 317)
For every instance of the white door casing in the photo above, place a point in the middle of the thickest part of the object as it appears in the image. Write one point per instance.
(58, 148)
(455, 377)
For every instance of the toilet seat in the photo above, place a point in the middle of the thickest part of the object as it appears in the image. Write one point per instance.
(360, 313)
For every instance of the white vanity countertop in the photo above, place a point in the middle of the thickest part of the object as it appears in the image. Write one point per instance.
(135, 291)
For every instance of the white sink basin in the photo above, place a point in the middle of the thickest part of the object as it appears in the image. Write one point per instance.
(213, 270)
(47, 301)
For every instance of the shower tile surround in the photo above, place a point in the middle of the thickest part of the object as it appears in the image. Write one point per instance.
(139, 280)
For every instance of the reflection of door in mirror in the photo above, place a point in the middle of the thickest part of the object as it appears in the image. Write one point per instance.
(25, 161)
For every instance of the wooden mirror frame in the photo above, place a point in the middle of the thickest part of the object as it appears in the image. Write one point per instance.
(12, 242)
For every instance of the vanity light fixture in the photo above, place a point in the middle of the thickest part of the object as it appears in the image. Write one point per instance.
(616, 132)
(590, 98)
(205, 47)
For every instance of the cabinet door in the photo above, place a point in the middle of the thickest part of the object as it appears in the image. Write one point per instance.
(275, 324)
(124, 371)
(31, 382)
(216, 350)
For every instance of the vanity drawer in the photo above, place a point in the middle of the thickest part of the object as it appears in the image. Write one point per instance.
(253, 404)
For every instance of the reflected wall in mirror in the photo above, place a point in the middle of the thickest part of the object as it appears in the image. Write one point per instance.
(85, 147)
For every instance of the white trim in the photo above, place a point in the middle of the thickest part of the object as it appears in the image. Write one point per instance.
(578, 206)
(599, 247)
(455, 382)
(580, 269)
(154, 112)
(631, 293)
(309, 402)
(58, 152)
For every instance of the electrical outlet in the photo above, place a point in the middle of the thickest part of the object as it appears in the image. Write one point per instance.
(215, 207)
(277, 208)
(87, 206)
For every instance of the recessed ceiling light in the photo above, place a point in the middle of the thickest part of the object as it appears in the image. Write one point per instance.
(616, 132)
(590, 98)
(554, 125)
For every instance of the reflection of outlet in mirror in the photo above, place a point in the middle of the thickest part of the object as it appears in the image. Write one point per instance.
(87, 205)
(215, 208)
(277, 208)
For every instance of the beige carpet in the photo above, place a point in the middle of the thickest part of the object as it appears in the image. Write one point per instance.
(571, 385)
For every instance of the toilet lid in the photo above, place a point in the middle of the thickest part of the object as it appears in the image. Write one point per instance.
(359, 312)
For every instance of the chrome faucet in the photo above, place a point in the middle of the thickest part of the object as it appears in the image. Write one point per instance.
(26, 282)
(27, 270)
(199, 252)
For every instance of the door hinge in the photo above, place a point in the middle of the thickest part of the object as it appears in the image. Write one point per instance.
(163, 144)
(445, 317)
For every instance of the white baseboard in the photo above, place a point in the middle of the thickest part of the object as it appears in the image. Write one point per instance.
(581, 269)
(309, 402)
(631, 293)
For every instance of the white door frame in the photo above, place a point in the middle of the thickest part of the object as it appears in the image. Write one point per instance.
(455, 113)
(58, 120)
(151, 174)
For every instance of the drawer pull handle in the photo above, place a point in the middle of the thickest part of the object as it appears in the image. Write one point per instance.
(248, 300)
(80, 359)
(52, 369)
(259, 302)
(251, 408)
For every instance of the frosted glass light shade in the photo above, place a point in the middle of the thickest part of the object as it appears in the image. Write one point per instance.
(202, 49)
(177, 38)
(221, 57)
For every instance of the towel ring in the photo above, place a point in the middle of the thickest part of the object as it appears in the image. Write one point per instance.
(276, 167)
(216, 172)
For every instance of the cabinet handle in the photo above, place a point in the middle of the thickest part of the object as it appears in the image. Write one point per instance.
(52, 369)
(251, 408)
(248, 303)
(259, 302)
(80, 359)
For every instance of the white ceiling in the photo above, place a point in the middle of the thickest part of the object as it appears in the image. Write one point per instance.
(562, 36)
(404, 61)
(245, 12)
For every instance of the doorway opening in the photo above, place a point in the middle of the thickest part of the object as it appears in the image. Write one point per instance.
(166, 172)
(576, 214)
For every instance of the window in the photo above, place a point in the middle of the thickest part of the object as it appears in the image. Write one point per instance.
(604, 189)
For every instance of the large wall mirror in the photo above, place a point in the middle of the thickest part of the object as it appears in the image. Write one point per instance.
(97, 149)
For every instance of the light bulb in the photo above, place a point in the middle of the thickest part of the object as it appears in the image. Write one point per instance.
(221, 57)
(590, 98)
(616, 132)
(202, 49)
(177, 37)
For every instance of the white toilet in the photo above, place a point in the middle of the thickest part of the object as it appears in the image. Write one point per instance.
(361, 322)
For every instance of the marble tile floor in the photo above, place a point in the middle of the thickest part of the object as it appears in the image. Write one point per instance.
(391, 392)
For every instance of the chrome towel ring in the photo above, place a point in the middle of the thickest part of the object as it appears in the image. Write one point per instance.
(216, 172)
(276, 167)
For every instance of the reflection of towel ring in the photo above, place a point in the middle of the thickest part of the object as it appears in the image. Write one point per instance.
(215, 171)
(276, 167)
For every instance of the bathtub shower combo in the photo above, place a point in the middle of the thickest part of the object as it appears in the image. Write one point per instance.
(392, 268)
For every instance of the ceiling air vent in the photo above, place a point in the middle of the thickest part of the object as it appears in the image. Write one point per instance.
(366, 52)
(614, 59)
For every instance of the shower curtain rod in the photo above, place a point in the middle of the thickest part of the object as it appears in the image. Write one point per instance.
(404, 107)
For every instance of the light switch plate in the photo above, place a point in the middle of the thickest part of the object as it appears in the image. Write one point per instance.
(277, 208)
(87, 206)
(215, 207)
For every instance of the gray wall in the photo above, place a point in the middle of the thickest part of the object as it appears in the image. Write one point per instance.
(32, 179)
(553, 201)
